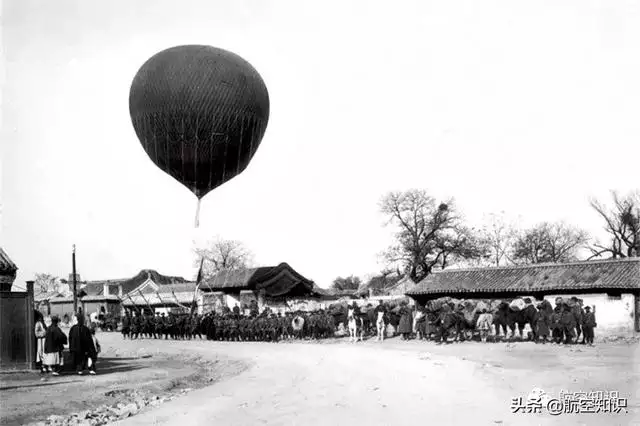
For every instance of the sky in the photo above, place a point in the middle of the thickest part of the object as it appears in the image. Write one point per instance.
(518, 106)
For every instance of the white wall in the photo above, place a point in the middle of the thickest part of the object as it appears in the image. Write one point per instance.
(231, 300)
(614, 316)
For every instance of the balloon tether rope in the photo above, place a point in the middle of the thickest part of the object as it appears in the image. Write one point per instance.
(198, 214)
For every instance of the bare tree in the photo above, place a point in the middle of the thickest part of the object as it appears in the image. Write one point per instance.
(383, 281)
(46, 283)
(549, 242)
(622, 223)
(429, 235)
(220, 254)
(499, 235)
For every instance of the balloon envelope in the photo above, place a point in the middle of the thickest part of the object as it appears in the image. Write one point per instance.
(200, 113)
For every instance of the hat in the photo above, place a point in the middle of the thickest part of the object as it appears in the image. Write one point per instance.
(587, 308)
(55, 319)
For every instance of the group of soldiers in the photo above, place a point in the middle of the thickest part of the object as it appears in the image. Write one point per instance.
(230, 325)
(564, 323)
(174, 326)
(267, 326)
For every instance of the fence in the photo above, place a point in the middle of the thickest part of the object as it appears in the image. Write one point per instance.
(17, 338)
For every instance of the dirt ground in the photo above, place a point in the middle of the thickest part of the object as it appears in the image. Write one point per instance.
(336, 382)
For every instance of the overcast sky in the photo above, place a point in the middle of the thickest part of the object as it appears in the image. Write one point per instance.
(517, 106)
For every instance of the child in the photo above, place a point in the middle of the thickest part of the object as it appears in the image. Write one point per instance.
(589, 323)
(54, 342)
(484, 324)
(93, 358)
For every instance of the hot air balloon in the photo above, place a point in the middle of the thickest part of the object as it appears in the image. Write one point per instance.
(200, 113)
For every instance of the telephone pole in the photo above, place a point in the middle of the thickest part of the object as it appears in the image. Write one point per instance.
(75, 283)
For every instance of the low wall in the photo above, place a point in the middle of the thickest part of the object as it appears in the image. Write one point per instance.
(614, 315)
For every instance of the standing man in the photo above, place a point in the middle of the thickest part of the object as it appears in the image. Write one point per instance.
(380, 312)
(589, 323)
(81, 344)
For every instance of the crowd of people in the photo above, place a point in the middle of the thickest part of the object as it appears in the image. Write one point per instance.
(442, 320)
(565, 323)
(228, 325)
(84, 346)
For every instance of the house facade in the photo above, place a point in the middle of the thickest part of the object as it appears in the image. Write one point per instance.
(111, 296)
(611, 286)
(280, 288)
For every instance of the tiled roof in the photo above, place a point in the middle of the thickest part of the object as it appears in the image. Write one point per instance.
(168, 288)
(184, 297)
(133, 283)
(590, 275)
(322, 291)
(91, 298)
(7, 267)
(240, 280)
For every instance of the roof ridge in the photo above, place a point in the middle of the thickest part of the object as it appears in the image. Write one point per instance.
(540, 265)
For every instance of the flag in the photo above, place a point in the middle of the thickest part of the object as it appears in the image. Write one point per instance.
(195, 292)
(200, 272)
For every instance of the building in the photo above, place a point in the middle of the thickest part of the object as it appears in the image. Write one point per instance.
(152, 297)
(110, 295)
(278, 287)
(8, 271)
(612, 286)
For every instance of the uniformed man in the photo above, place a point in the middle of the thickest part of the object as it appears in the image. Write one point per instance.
(126, 325)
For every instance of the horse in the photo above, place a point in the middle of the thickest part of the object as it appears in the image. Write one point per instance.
(521, 318)
(356, 326)
(500, 318)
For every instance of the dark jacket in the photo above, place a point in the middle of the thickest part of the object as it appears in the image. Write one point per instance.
(406, 321)
(568, 319)
(543, 323)
(80, 341)
(589, 319)
(54, 340)
(577, 314)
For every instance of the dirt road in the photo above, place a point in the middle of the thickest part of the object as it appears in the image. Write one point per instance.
(396, 383)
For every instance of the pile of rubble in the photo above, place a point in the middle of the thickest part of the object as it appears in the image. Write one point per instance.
(106, 414)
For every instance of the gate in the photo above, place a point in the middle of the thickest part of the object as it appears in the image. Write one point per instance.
(17, 338)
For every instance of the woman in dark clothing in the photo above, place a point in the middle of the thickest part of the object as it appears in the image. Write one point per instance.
(406, 321)
(81, 344)
(54, 342)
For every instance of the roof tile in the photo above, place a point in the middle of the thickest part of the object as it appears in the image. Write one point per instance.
(590, 275)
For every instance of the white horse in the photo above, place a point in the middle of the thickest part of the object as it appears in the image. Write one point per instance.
(356, 327)
(380, 326)
(419, 315)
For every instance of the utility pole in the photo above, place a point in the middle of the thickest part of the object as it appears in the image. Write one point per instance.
(75, 283)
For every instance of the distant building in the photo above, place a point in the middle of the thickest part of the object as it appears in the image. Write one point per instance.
(278, 287)
(93, 296)
(613, 286)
